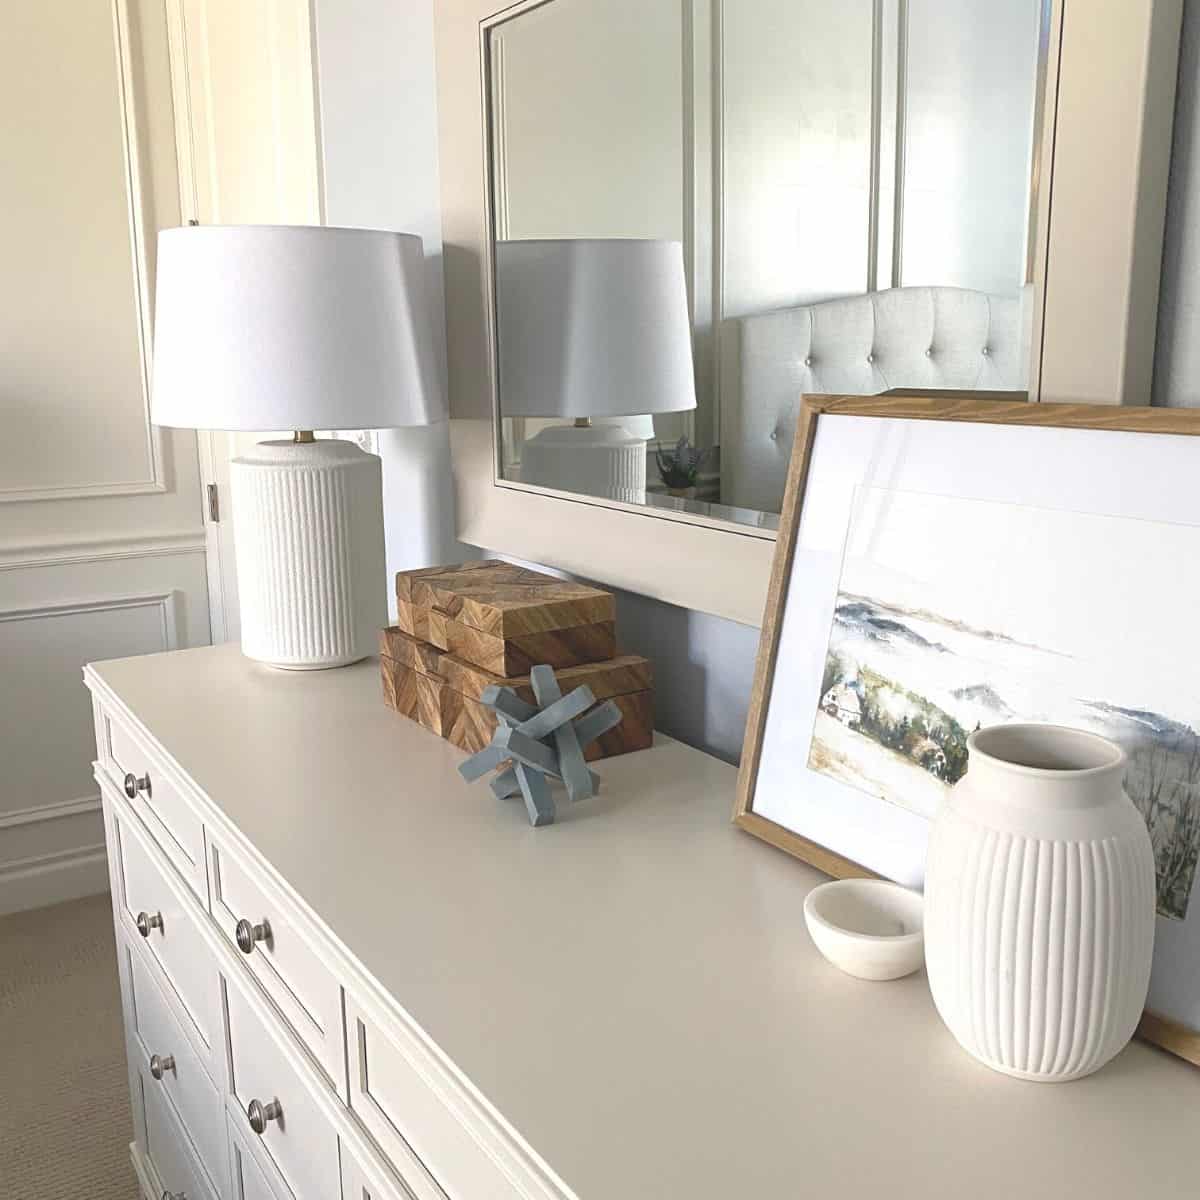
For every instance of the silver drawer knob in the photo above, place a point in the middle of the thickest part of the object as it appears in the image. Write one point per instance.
(248, 934)
(148, 921)
(258, 1114)
(133, 785)
(173, 1195)
(161, 1064)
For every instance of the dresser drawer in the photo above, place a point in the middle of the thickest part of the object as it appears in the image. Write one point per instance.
(411, 1122)
(167, 1145)
(139, 774)
(365, 1178)
(277, 1105)
(166, 1054)
(251, 1179)
(155, 907)
(277, 944)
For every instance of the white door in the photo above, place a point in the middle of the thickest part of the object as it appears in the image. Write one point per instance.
(247, 132)
(101, 527)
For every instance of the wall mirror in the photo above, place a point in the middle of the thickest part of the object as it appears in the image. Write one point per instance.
(802, 156)
(700, 210)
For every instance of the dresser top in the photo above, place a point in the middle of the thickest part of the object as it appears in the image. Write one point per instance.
(633, 987)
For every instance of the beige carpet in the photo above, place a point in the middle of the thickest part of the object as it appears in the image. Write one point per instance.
(65, 1126)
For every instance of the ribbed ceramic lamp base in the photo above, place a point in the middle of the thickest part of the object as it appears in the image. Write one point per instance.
(308, 527)
(597, 460)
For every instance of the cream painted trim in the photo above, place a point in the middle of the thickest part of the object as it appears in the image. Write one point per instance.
(1108, 180)
(52, 878)
(65, 553)
(185, 123)
(140, 231)
(1104, 167)
(50, 812)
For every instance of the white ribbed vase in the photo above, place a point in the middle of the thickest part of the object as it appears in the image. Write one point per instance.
(308, 531)
(1040, 903)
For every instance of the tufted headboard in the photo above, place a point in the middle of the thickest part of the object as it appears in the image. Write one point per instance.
(915, 337)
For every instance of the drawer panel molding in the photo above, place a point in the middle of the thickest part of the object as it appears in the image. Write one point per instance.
(253, 1175)
(169, 1149)
(279, 947)
(276, 1102)
(363, 1180)
(155, 908)
(420, 1110)
(157, 794)
(175, 1069)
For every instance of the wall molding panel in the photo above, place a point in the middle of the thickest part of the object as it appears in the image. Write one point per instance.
(142, 232)
(51, 830)
(167, 602)
(117, 567)
(67, 553)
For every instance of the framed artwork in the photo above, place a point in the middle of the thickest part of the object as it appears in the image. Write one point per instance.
(949, 562)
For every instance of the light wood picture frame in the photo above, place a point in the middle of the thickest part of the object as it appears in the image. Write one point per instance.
(1010, 411)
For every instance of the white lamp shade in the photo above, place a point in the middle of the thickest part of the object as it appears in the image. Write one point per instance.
(274, 327)
(593, 328)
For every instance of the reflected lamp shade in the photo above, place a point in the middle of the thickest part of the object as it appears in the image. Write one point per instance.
(592, 329)
(263, 327)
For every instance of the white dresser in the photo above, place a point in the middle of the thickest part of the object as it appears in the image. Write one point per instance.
(346, 973)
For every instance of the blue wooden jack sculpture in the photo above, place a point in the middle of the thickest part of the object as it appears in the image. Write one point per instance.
(540, 742)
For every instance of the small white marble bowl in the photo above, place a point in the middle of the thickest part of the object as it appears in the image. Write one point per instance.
(868, 927)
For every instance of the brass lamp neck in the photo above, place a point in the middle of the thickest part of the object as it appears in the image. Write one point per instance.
(302, 436)
(583, 422)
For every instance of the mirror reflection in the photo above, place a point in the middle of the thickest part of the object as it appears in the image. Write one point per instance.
(702, 210)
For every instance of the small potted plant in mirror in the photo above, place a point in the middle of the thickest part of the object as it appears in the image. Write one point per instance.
(680, 467)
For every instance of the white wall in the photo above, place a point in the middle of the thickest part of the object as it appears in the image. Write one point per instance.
(378, 111)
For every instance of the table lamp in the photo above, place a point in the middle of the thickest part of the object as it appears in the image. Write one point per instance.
(594, 330)
(299, 328)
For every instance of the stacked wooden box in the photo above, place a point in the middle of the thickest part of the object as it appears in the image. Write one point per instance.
(463, 628)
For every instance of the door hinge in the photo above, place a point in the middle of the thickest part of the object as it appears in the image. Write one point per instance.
(214, 504)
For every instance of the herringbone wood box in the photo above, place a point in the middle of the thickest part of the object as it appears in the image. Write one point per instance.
(507, 619)
(442, 691)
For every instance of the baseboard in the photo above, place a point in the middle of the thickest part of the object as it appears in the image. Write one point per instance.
(53, 878)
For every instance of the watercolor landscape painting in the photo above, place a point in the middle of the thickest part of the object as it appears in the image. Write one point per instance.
(955, 614)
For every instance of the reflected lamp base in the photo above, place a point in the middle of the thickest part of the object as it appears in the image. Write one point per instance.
(596, 460)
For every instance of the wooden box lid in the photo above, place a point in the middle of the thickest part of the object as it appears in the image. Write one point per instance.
(620, 676)
(504, 600)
